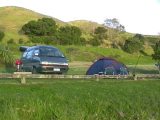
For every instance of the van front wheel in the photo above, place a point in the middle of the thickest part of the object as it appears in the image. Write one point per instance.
(34, 71)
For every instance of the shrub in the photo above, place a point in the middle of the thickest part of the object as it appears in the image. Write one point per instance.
(1, 35)
(6, 55)
(133, 45)
(20, 41)
(70, 35)
(44, 39)
(11, 41)
(42, 27)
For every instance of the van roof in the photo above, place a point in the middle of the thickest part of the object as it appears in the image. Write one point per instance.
(42, 46)
(24, 48)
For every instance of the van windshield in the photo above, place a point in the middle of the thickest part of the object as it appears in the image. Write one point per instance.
(50, 52)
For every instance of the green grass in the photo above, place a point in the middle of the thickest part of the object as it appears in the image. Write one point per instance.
(77, 71)
(81, 100)
(143, 69)
(90, 54)
(140, 69)
(80, 68)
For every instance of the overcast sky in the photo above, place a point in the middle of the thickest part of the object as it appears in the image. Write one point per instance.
(138, 16)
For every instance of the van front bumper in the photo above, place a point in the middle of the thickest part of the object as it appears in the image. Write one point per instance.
(53, 68)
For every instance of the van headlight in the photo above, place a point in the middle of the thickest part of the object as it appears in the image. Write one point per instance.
(44, 62)
(65, 64)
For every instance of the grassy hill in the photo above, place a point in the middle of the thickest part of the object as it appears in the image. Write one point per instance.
(90, 54)
(84, 25)
(87, 27)
(13, 18)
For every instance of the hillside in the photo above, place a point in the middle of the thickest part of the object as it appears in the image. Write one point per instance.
(84, 25)
(13, 18)
(87, 27)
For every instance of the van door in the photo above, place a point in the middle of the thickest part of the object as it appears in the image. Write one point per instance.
(24, 61)
(27, 60)
(36, 58)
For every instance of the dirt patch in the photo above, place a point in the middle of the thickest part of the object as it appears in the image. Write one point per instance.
(79, 64)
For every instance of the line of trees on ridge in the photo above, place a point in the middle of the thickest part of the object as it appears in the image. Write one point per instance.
(46, 31)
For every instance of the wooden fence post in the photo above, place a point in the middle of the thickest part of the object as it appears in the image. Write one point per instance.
(135, 77)
(97, 78)
(23, 80)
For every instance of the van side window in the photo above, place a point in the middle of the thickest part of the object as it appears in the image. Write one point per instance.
(24, 54)
(36, 52)
(30, 54)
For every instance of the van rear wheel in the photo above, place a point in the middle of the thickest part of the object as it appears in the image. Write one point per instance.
(34, 71)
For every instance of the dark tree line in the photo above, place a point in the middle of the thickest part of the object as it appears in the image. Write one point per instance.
(46, 31)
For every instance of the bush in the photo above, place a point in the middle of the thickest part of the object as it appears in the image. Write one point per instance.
(156, 55)
(11, 41)
(20, 41)
(70, 35)
(44, 39)
(95, 41)
(6, 55)
(1, 35)
(133, 45)
(42, 27)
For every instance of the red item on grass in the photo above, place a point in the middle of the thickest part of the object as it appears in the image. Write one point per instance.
(18, 62)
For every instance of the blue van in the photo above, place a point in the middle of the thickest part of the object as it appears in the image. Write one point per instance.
(43, 59)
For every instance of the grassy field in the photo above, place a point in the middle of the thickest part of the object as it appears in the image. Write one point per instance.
(80, 68)
(81, 100)
(77, 69)
(81, 57)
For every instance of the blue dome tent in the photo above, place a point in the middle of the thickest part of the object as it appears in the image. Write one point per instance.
(107, 66)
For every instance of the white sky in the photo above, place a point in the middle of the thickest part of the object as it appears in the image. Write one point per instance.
(138, 16)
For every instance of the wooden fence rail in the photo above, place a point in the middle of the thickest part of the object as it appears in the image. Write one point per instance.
(24, 75)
